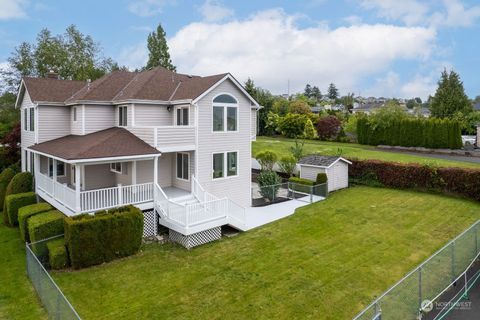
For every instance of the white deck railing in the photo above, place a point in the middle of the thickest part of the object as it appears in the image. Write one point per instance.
(167, 137)
(93, 200)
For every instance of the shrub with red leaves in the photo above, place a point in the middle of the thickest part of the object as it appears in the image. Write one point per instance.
(463, 182)
(11, 143)
(328, 127)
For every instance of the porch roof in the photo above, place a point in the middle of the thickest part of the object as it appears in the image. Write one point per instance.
(109, 143)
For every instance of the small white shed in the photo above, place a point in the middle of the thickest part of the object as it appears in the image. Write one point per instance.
(336, 169)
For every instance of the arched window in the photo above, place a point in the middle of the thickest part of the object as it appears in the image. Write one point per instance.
(225, 113)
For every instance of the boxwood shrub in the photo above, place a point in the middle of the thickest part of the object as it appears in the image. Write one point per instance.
(303, 181)
(14, 202)
(321, 178)
(57, 254)
(42, 226)
(105, 236)
(20, 183)
(26, 212)
(5, 178)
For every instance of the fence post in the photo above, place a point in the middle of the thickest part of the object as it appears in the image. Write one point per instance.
(311, 194)
(120, 195)
(274, 196)
(420, 290)
(453, 260)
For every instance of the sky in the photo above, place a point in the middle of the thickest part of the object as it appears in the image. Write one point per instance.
(386, 48)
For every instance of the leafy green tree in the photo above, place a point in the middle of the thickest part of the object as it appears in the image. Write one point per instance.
(450, 97)
(280, 106)
(348, 101)
(158, 54)
(293, 125)
(72, 55)
(250, 87)
(384, 117)
(287, 164)
(332, 91)
(265, 99)
(299, 107)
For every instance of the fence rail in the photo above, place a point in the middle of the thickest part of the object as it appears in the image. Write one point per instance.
(52, 298)
(263, 195)
(408, 298)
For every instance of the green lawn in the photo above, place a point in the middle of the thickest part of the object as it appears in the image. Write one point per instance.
(282, 147)
(325, 262)
(17, 296)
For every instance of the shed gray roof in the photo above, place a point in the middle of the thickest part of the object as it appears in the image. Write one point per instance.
(321, 161)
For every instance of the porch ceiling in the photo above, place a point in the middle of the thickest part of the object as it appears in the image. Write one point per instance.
(110, 143)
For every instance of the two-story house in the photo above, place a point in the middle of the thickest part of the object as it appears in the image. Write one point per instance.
(163, 141)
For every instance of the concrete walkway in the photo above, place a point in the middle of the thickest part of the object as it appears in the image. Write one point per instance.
(259, 216)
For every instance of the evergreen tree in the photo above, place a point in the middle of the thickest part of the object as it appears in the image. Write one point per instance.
(250, 87)
(308, 91)
(450, 97)
(316, 94)
(332, 91)
(158, 54)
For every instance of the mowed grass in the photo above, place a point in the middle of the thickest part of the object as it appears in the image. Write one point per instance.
(17, 296)
(350, 150)
(327, 261)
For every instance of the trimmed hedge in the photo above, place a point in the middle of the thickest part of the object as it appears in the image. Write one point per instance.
(22, 182)
(428, 133)
(5, 178)
(14, 202)
(306, 182)
(42, 226)
(26, 212)
(105, 236)
(321, 178)
(57, 254)
(458, 181)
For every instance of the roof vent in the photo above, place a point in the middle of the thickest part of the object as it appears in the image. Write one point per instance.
(52, 75)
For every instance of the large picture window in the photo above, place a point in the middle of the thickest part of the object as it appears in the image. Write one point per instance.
(225, 113)
(122, 116)
(60, 168)
(182, 166)
(225, 164)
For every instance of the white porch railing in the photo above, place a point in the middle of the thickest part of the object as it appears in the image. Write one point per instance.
(166, 137)
(93, 200)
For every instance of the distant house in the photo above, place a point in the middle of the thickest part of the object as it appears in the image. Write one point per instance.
(367, 108)
(317, 109)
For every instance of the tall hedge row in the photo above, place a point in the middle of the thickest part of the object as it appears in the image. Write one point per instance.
(105, 236)
(428, 133)
(458, 181)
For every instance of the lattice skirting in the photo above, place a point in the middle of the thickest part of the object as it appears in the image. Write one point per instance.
(196, 239)
(150, 223)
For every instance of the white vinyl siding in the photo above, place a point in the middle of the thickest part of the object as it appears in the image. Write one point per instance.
(98, 117)
(76, 127)
(254, 125)
(236, 188)
(153, 115)
(53, 122)
(28, 137)
(337, 174)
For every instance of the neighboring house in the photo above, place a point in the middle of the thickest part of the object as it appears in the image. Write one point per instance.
(335, 167)
(174, 143)
(367, 108)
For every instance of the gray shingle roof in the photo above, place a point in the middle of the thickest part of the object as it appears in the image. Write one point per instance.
(318, 160)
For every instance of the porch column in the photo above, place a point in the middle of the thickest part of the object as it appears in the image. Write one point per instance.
(155, 170)
(77, 187)
(54, 169)
(134, 172)
(36, 158)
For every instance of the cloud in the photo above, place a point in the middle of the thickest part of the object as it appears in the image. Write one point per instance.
(12, 9)
(270, 48)
(214, 11)
(134, 56)
(148, 8)
(420, 86)
(411, 12)
(353, 20)
(448, 13)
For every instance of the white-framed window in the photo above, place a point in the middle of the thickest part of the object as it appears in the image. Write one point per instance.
(74, 114)
(225, 164)
(32, 119)
(25, 119)
(122, 116)
(116, 167)
(182, 116)
(224, 113)
(183, 164)
(60, 168)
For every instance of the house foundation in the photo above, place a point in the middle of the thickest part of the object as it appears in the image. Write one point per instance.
(196, 239)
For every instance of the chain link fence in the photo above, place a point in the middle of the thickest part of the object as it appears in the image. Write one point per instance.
(57, 305)
(416, 294)
(265, 195)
